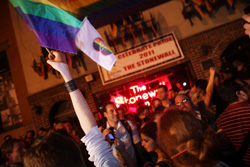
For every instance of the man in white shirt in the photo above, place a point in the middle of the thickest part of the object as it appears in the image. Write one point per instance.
(121, 131)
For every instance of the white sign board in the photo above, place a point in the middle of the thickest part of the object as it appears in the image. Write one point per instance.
(139, 59)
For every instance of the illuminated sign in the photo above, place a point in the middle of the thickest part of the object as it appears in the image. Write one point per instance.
(140, 92)
(142, 58)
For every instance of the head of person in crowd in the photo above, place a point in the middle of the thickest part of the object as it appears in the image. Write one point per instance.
(239, 65)
(160, 109)
(121, 113)
(54, 150)
(41, 132)
(97, 116)
(155, 103)
(192, 83)
(125, 107)
(29, 137)
(178, 86)
(162, 92)
(110, 113)
(183, 102)
(181, 132)
(172, 93)
(201, 85)
(217, 80)
(68, 126)
(231, 91)
(13, 151)
(148, 136)
(57, 125)
(142, 112)
(7, 137)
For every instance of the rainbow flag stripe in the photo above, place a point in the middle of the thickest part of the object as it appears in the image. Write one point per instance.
(53, 27)
(198, 12)
(115, 31)
(229, 3)
(208, 6)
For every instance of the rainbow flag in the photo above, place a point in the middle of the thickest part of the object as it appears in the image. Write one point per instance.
(197, 2)
(92, 44)
(229, 3)
(208, 6)
(198, 11)
(115, 31)
(53, 27)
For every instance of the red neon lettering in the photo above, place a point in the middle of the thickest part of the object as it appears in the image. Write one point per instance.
(144, 87)
(147, 103)
(136, 97)
(126, 100)
(152, 93)
(138, 88)
(145, 96)
(132, 102)
(119, 100)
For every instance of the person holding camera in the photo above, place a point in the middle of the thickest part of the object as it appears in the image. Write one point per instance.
(116, 131)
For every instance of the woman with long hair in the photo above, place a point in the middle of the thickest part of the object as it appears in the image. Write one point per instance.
(148, 138)
(187, 141)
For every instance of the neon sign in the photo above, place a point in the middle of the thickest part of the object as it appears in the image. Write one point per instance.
(140, 92)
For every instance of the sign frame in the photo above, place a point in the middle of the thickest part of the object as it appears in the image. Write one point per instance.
(180, 56)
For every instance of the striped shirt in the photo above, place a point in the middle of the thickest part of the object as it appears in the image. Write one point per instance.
(235, 122)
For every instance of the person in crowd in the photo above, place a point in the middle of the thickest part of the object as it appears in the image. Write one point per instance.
(149, 142)
(41, 132)
(162, 93)
(123, 130)
(193, 89)
(235, 120)
(13, 151)
(7, 137)
(187, 141)
(142, 113)
(242, 71)
(155, 103)
(121, 113)
(54, 150)
(125, 108)
(160, 109)
(120, 147)
(98, 118)
(203, 97)
(204, 90)
(99, 150)
(172, 93)
(246, 17)
(184, 103)
(29, 138)
(71, 131)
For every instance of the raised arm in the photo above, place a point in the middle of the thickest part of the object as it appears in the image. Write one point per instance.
(80, 105)
(98, 149)
(210, 87)
(247, 25)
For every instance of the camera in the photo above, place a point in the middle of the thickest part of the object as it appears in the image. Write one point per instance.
(110, 137)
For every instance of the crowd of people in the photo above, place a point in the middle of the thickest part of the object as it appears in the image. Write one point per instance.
(205, 126)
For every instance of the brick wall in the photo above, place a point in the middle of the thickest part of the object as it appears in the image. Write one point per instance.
(48, 98)
(214, 42)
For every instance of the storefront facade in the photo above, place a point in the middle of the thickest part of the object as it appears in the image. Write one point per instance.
(200, 52)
